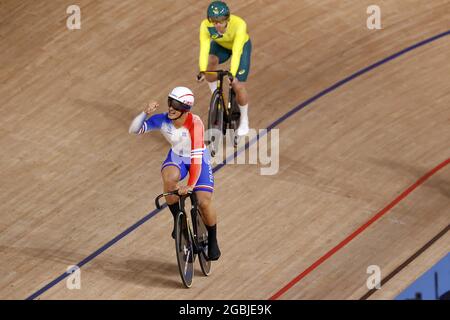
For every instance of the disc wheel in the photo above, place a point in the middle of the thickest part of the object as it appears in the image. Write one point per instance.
(235, 117)
(184, 250)
(215, 123)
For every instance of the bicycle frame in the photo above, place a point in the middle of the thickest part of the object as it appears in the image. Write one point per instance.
(220, 75)
(182, 201)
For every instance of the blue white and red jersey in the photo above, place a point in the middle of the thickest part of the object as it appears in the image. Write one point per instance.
(187, 141)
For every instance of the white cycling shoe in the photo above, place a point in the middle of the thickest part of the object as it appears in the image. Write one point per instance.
(243, 128)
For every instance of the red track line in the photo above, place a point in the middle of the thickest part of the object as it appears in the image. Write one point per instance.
(359, 230)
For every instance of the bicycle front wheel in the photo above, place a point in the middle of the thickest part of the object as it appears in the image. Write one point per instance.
(215, 122)
(184, 250)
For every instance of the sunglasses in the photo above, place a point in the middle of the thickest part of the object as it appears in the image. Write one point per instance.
(177, 105)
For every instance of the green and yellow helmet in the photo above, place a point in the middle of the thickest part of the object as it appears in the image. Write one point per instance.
(218, 10)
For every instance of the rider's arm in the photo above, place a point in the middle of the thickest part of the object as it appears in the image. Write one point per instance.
(238, 46)
(205, 43)
(140, 125)
(137, 123)
(197, 148)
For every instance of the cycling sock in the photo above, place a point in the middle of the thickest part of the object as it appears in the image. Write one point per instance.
(212, 86)
(244, 110)
(212, 230)
(174, 208)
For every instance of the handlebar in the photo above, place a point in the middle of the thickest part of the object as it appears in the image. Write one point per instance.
(190, 194)
(220, 73)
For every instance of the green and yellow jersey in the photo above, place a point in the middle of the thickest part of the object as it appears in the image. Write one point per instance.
(233, 39)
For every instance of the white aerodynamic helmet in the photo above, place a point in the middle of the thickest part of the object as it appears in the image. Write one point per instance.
(181, 99)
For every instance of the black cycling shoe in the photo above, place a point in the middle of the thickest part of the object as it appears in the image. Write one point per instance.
(213, 251)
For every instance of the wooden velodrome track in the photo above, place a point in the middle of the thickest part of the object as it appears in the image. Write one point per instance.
(73, 179)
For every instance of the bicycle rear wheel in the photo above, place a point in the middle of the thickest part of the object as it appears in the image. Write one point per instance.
(201, 234)
(184, 250)
(235, 118)
(215, 122)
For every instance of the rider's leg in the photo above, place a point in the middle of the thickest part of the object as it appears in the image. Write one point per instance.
(171, 177)
(210, 219)
(211, 78)
(217, 55)
(205, 204)
(242, 100)
(240, 87)
(241, 93)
